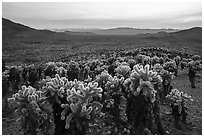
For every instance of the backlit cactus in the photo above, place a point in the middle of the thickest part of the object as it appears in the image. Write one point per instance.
(147, 90)
(131, 62)
(127, 82)
(78, 110)
(176, 96)
(170, 65)
(61, 71)
(183, 64)
(85, 93)
(57, 86)
(177, 58)
(178, 106)
(196, 57)
(195, 65)
(81, 102)
(114, 84)
(103, 77)
(145, 74)
(187, 60)
(123, 69)
(157, 68)
(28, 98)
(154, 60)
(139, 58)
(166, 75)
(146, 60)
(135, 83)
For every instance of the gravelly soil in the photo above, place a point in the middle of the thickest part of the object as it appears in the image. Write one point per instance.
(194, 121)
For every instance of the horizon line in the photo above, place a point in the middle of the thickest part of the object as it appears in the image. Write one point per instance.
(107, 28)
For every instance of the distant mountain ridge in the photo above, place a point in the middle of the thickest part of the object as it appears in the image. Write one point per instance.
(11, 28)
(116, 31)
(12, 31)
(78, 33)
(19, 30)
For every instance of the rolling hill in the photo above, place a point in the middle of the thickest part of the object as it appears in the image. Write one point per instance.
(192, 34)
(15, 32)
(16, 29)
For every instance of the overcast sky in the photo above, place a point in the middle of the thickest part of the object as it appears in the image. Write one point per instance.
(104, 15)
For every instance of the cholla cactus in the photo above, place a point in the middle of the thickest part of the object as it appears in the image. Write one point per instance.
(144, 78)
(196, 57)
(61, 64)
(78, 110)
(103, 77)
(177, 97)
(89, 79)
(57, 86)
(104, 67)
(165, 57)
(124, 64)
(187, 60)
(114, 83)
(83, 107)
(155, 60)
(50, 69)
(127, 83)
(178, 106)
(177, 58)
(183, 64)
(157, 68)
(170, 65)
(5, 73)
(121, 59)
(166, 74)
(61, 71)
(73, 70)
(147, 90)
(98, 69)
(111, 59)
(33, 109)
(103, 56)
(84, 94)
(161, 60)
(131, 62)
(146, 60)
(194, 65)
(51, 64)
(144, 73)
(139, 58)
(28, 98)
(123, 69)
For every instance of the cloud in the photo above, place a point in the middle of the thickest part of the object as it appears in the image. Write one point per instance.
(145, 15)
